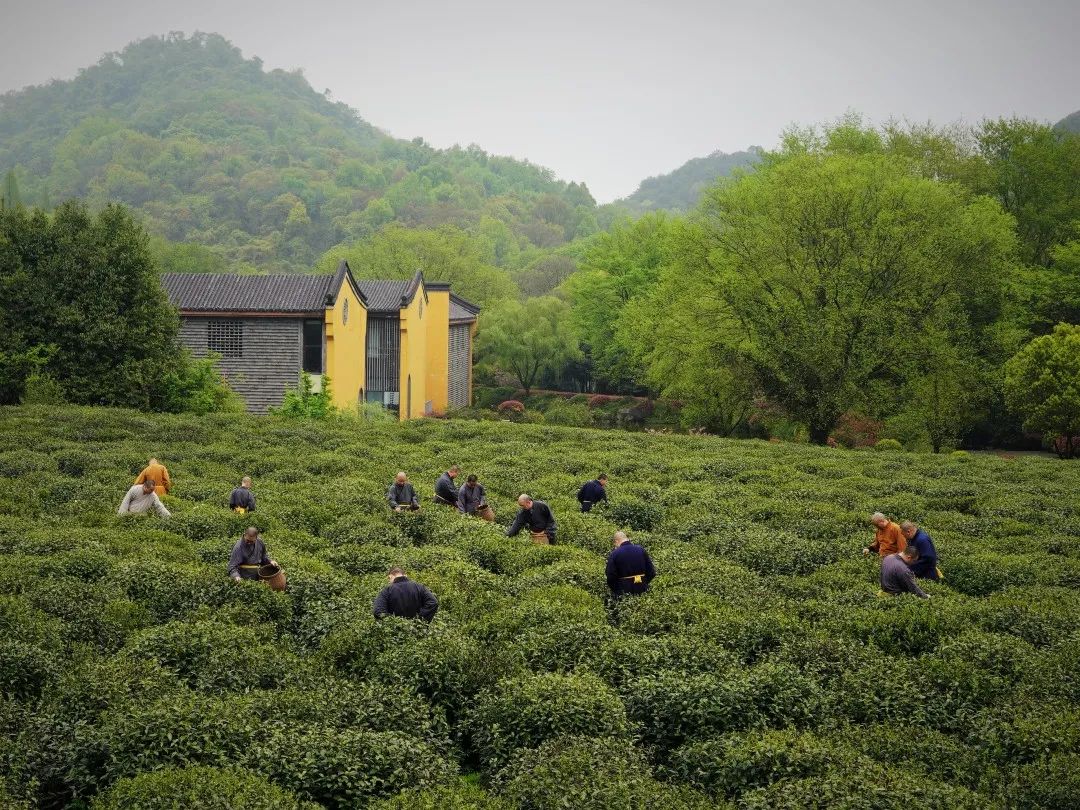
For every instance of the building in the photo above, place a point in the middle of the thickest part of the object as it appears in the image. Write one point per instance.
(404, 344)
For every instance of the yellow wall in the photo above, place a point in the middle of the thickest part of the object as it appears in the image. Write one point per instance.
(346, 347)
(437, 330)
(414, 320)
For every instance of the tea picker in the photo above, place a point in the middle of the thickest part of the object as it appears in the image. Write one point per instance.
(629, 567)
(401, 496)
(404, 598)
(592, 492)
(242, 498)
(539, 518)
(249, 560)
(445, 491)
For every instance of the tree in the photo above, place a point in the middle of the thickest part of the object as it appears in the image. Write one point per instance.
(616, 268)
(528, 339)
(9, 194)
(1042, 385)
(1034, 172)
(84, 304)
(822, 269)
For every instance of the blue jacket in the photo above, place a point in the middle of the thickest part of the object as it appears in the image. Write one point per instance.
(625, 565)
(591, 493)
(926, 566)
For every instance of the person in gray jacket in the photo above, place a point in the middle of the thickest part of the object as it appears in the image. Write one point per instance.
(142, 498)
(401, 496)
(896, 575)
(472, 500)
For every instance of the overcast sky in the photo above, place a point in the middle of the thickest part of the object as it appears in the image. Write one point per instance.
(611, 91)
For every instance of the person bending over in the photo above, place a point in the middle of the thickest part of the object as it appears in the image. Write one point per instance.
(404, 598)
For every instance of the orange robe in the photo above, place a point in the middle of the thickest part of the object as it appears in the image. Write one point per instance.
(162, 484)
(889, 540)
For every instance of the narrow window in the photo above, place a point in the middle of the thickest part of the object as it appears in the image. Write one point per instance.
(225, 338)
(313, 331)
(345, 313)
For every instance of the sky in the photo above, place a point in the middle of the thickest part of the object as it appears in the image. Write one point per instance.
(606, 91)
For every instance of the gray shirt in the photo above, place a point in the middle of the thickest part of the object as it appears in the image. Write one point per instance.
(469, 499)
(136, 501)
(245, 553)
(897, 578)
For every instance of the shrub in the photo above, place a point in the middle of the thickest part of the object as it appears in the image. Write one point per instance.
(511, 406)
(461, 795)
(729, 766)
(524, 712)
(888, 445)
(587, 773)
(340, 768)
(197, 786)
(568, 415)
(637, 515)
(212, 657)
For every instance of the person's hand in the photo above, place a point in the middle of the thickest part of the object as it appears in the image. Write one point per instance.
(866, 552)
(274, 562)
(236, 579)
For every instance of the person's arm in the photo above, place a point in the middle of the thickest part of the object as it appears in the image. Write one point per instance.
(234, 499)
(141, 477)
(610, 571)
(461, 500)
(165, 480)
(235, 559)
(650, 569)
(581, 493)
(910, 586)
(381, 606)
(430, 604)
(159, 507)
(390, 499)
(125, 504)
(552, 526)
(265, 558)
(251, 500)
(413, 500)
(901, 541)
(515, 527)
(603, 494)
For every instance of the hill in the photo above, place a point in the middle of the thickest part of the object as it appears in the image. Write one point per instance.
(1070, 123)
(761, 670)
(681, 189)
(214, 150)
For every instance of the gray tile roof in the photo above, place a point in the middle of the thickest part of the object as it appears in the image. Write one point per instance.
(212, 292)
(462, 310)
(383, 296)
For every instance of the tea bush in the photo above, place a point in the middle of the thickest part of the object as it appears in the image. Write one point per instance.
(760, 670)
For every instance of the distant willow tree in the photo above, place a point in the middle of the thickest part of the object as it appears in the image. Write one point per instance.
(818, 276)
(528, 340)
(9, 193)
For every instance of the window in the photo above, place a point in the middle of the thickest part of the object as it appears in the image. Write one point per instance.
(313, 341)
(225, 338)
(345, 313)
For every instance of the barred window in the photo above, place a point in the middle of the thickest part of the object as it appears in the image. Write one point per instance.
(225, 338)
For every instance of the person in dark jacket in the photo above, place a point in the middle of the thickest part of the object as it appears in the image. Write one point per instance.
(445, 491)
(592, 492)
(248, 555)
(537, 515)
(401, 495)
(404, 598)
(896, 576)
(926, 566)
(629, 567)
(472, 500)
(242, 498)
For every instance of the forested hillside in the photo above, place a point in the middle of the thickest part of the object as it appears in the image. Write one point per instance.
(681, 189)
(1070, 123)
(213, 150)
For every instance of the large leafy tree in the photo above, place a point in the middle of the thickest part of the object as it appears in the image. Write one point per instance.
(530, 339)
(822, 270)
(83, 302)
(1042, 385)
(617, 267)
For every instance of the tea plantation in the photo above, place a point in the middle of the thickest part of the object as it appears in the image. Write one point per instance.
(761, 671)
